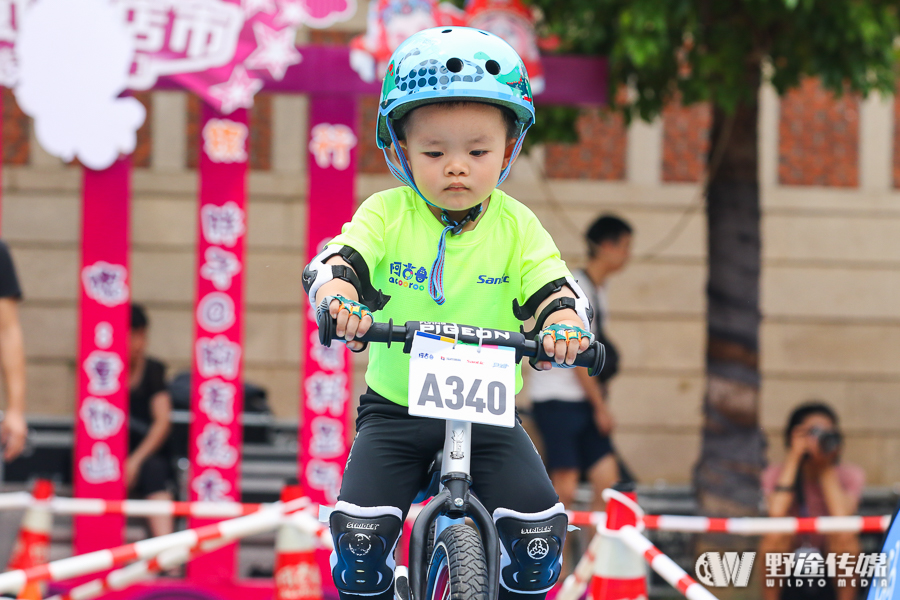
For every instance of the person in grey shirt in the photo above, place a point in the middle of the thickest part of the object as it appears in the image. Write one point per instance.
(570, 407)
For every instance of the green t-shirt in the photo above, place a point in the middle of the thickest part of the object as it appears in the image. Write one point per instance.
(508, 255)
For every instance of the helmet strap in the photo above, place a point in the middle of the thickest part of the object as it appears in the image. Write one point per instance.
(515, 153)
(436, 277)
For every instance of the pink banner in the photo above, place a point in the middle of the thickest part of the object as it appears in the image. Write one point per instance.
(223, 50)
(101, 423)
(326, 384)
(217, 395)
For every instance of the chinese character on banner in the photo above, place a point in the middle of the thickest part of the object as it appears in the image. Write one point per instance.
(217, 400)
(326, 392)
(216, 312)
(325, 478)
(331, 358)
(105, 283)
(222, 225)
(218, 357)
(209, 486)
(222, 49)
(101, 466)
(180, 36)
(327, 438)
(220, 267)
(225, 141)
(215, 448)
(103, 370)
(101, 419)
(331, 145)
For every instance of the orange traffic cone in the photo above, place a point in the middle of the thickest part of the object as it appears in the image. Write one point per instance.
(297, 574)
(33, 543)
(619, 573)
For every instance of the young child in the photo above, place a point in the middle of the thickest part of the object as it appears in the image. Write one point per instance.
(450, 247)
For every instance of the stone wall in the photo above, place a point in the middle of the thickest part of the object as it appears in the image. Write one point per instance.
(831, 270)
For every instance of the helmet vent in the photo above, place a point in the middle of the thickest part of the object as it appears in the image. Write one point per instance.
(454, 65)
(493, 67)
(447, 31)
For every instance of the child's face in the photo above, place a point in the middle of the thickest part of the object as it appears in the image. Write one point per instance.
(456, 153)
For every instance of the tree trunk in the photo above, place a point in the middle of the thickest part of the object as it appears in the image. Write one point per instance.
(726, 476)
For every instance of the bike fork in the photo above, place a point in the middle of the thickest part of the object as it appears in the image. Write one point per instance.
(456, 459)
(451, 505)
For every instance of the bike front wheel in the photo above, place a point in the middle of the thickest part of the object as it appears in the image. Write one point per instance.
(458, 569)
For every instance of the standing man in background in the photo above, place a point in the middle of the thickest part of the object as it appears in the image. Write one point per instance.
(570, 407)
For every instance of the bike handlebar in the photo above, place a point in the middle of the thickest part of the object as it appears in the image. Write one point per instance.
(387, 333)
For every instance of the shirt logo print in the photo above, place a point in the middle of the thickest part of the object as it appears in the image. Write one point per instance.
(408, 275)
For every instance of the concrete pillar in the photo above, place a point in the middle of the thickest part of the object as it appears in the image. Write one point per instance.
(876, 143)
(289, 125)
(769, 115)
(643, 164)
(169, 131)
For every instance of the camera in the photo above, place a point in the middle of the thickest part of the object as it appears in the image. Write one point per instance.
(829, 440)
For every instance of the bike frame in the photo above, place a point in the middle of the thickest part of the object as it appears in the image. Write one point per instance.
(450, 506)
(454, 502)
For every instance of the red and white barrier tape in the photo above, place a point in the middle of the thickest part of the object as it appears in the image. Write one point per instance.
(761, 525)
(132, 508)
(307, 522)
(686, 524)
(101, 560)
(15, 500)
(662, 564)
(749, 525)
(576, 583)
(152, 508)
(142, 570)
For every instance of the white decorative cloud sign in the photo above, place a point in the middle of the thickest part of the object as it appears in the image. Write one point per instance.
(74, 59)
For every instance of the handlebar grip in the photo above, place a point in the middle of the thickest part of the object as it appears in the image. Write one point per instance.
(327, 327)
(378, 332)
(592, 358)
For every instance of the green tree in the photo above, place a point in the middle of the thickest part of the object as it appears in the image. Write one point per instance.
(721, 51)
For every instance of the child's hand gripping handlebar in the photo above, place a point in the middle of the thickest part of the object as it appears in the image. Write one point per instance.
(387, 333)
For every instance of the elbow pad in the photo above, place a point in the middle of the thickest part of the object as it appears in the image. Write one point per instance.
(317, 273)
(579, 304)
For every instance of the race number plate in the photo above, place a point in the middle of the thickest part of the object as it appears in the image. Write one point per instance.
(462, 383)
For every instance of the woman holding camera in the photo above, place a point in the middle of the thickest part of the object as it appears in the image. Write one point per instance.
(812, 482)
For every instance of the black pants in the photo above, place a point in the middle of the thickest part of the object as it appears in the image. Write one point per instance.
(389, 460)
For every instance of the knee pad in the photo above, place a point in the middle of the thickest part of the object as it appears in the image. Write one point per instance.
(362, 562)
(531, 548)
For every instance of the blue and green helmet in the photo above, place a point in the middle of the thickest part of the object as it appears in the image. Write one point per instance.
(453, 63)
